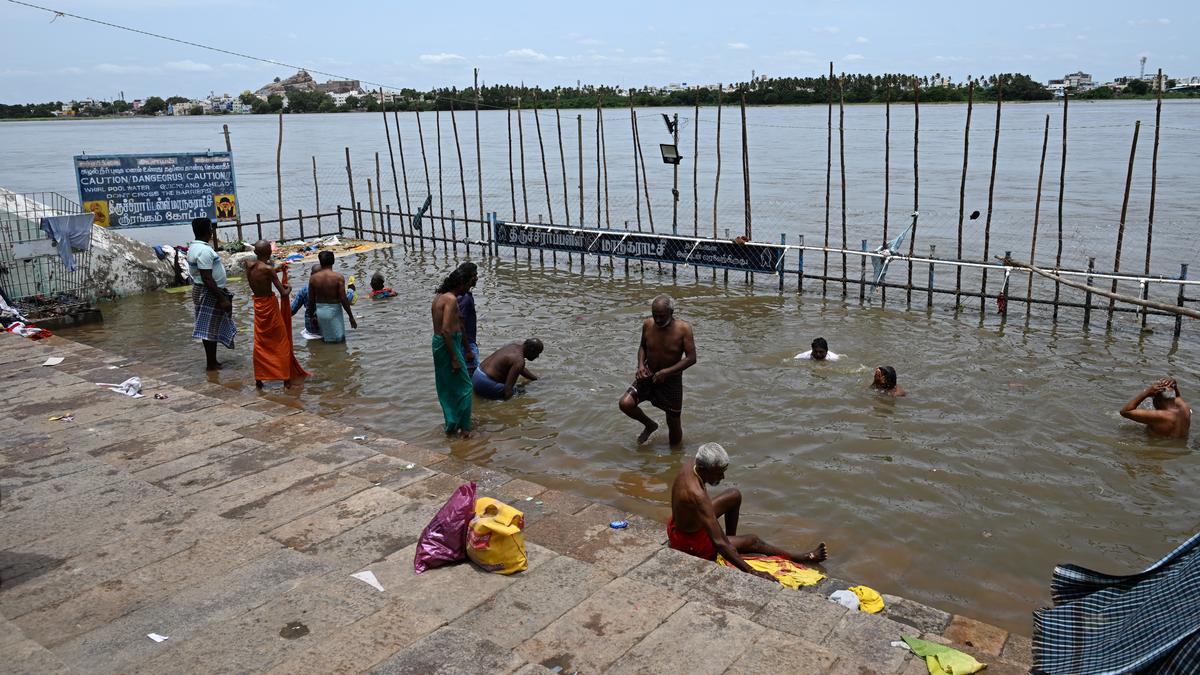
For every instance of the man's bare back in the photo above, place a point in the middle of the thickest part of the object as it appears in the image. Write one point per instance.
(444, 311)
(261, 277)
(327, 287)
(690, 503)
(1170, 416)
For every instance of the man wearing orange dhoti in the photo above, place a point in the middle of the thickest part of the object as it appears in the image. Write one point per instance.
(273, 355)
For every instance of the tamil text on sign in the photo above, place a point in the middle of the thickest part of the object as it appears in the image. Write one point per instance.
(160, 189)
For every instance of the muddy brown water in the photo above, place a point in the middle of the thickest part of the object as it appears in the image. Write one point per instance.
(1007, 457)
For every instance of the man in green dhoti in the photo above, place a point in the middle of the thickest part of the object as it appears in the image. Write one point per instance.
(449, 364)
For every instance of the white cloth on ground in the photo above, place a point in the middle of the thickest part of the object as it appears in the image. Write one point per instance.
(846, 599)
(131, 387)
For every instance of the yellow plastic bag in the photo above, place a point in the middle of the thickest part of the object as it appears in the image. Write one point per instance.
(494, 538)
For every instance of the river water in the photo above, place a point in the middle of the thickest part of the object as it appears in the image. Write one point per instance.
(1007, 457)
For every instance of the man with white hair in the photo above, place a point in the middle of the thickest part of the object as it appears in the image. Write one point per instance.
(666, 350)
(693, 526)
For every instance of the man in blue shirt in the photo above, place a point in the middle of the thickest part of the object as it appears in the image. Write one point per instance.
(466, 312)
(213, 303)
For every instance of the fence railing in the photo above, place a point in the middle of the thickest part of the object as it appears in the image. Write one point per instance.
(32, 274)
(792, 265)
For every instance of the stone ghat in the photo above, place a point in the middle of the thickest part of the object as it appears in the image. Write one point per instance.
(231, 524)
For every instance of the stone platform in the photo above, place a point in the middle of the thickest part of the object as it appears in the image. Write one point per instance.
(231, 524)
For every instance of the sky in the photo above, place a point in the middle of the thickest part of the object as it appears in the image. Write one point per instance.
(422, 45)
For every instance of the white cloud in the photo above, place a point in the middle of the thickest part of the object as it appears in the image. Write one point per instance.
(1149, 22)
(861, 40)
(115, 69)
(854, 57)
(526, 54)
(826, 29)
(1044, 26)
(72, 70)
(441, 57)
(187, 66)
(658, 51)
(738, 45)
(591, 42)
(237, 67)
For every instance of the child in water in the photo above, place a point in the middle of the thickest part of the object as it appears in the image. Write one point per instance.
(378, 290)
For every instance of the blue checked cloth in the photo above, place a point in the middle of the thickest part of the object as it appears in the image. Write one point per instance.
(1146, 623)
(211, 323)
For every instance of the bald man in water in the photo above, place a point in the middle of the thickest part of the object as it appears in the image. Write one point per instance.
(1171, 417)
(667, 348)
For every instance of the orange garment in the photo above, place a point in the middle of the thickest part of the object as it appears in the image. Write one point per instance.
(273, 355)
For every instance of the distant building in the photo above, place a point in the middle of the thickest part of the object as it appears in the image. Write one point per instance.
(302, 81)
(1079, 81)
(342, 87)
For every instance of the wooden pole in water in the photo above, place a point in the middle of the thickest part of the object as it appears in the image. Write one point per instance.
(637, 184)
(462, 178)
(1062, 182)
(387, 130)
(428, 183)
(279, 174)
(828, 181)
(316, 193)
(717, 181)
(598, 163)
(378, 189)
(579, 136)
(370, 204)
(1178, 310)
(1137, 126)
(604, 162)
(403, 165)
(537, 119)
(745, 168)
(521, 155)
(987, 225)
(478, 163)
(1158, 85)
(512, 186)
(842, 169)
(962, 192)
(637, 143)
(437, 132)
(562, 159)
(696, 168)
(350, 182)
(912, 238)
(887, 173)
(1037, 212)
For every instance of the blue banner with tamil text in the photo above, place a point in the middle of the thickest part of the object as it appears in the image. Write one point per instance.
(124, 191)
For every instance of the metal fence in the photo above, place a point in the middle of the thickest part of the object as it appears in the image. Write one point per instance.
(33, 276)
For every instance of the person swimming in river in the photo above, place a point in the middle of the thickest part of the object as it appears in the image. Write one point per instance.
(667, 348)
(819, 352)
(885, 382)
(378, 290)
(496, 377)
(694, 527)
(327, 296)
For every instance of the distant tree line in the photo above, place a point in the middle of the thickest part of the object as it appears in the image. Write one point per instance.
(852, 88)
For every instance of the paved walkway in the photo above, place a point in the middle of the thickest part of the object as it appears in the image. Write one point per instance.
(232, 524)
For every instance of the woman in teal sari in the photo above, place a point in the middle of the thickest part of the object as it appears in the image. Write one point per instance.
(454, 388)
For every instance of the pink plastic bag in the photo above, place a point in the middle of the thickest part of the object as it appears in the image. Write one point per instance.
(443, 540)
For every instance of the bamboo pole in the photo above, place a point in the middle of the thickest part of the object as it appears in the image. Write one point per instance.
(403, 165)
(1037, 212)
(428, 183)
(391, 153)
(537, 119)
(316, 193)
(512, 186)
(887, 173)
(478, 164)
(350, 182)
(637, 184)
(1133, 300)
(842, 169)
(604, 163)
(717, 181)
(562, 158)
(912, 237)
(828, 181)
(370, 204)
(1158, 85)
(1062, 183)
(637, 142)
(462, 179)
(696, 168)
(598, 163)
(987, 225)
(279, 174)
(437, 132)
(378, 189)
(521, 154)
(745, 168)
(1137, 127)
(579, 136)
(962, 191)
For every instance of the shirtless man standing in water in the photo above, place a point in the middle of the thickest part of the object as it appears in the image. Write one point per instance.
(666, 350)
(1171, 416)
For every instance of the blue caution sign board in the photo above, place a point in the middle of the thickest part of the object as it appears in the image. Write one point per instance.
(125, 191)
(748, 257)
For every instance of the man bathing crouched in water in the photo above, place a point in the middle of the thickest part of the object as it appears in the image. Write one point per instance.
(667, 349)
(497, 375)
(693, 526)
(1171, 417)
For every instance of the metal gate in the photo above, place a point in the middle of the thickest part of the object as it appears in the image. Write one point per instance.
(32, 275)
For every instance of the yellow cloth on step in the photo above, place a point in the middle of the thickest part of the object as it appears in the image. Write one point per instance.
(869, 601)
(790, 574)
